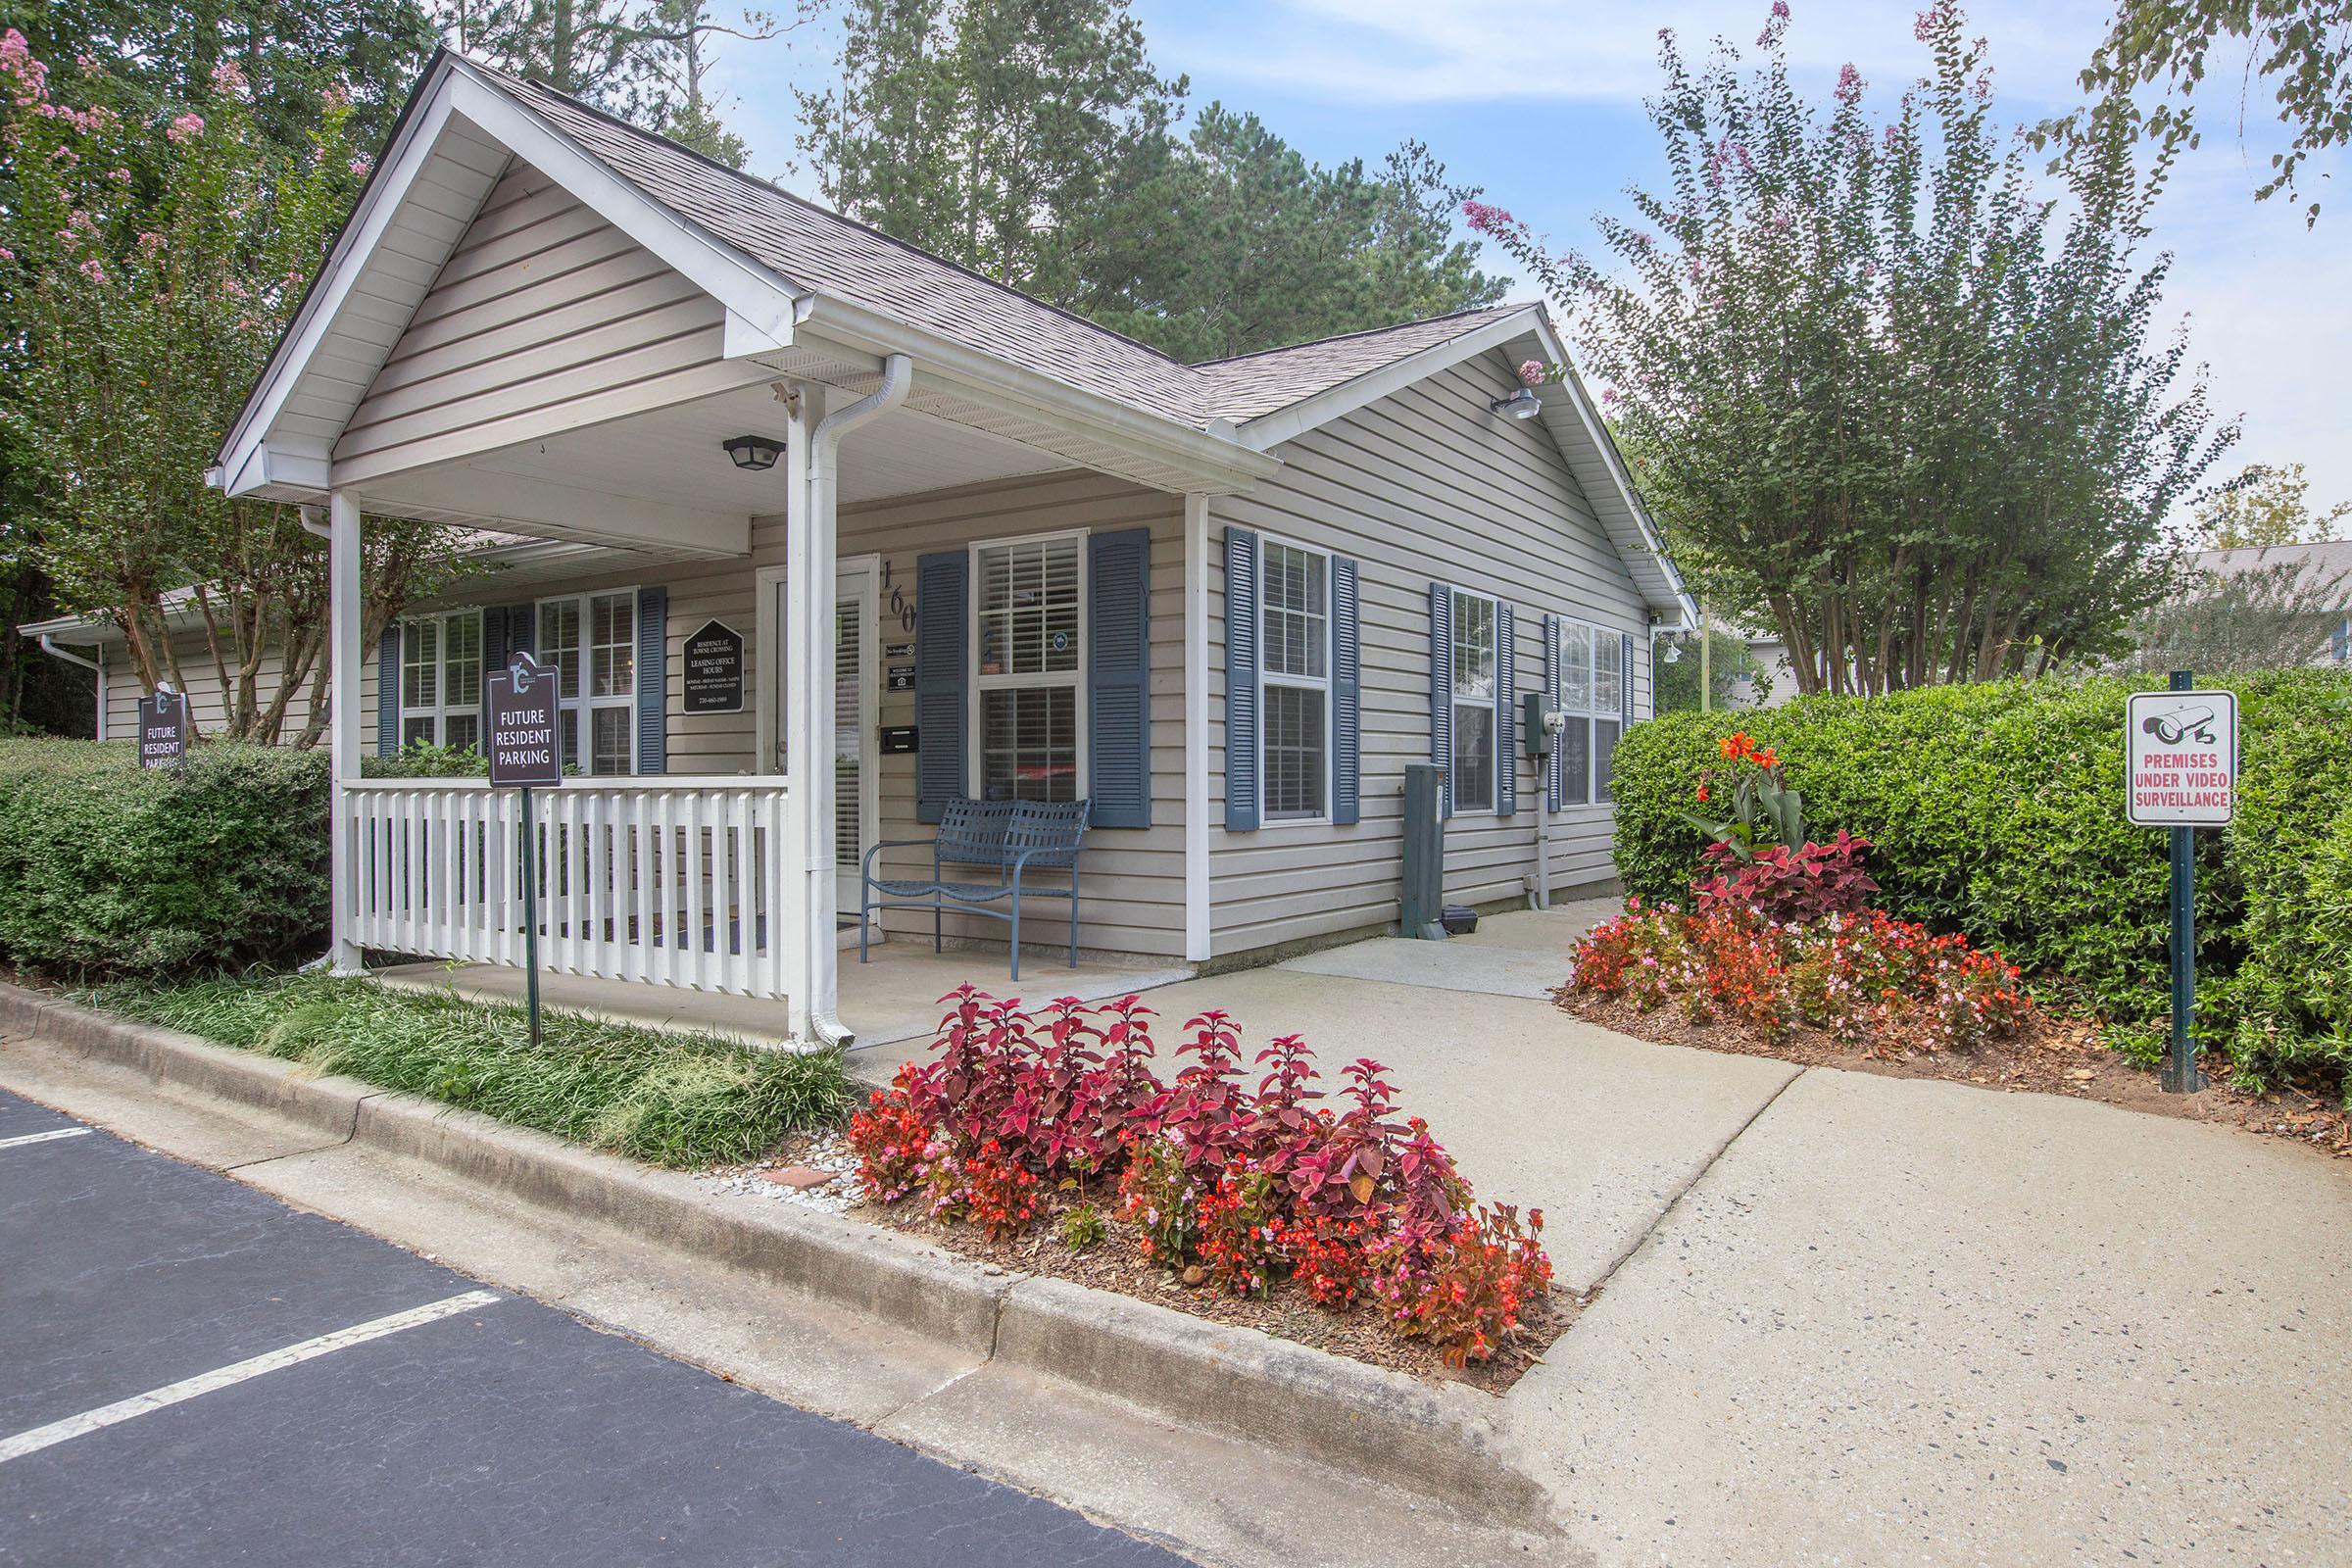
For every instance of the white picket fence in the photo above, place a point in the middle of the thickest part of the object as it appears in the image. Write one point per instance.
(671, 881)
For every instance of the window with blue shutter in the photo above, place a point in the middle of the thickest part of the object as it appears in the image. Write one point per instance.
(387, 693)
(1441, 692)
(1241, 680)
(1118, 678)
(1347, 694)
(1506, 715)
(653, 680)
(494, 660)
(941, 680)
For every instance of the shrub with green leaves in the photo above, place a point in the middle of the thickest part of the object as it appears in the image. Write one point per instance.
(670, 1098)
(1998, 809)
(108, 869)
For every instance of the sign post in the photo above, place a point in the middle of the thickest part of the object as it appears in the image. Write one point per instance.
(524, 753)
(162, 727)
(2180, 757)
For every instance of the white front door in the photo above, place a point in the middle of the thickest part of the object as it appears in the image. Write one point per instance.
(857, 688)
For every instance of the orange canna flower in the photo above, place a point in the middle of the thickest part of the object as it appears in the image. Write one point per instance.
(1767, 757)
(1703, 794)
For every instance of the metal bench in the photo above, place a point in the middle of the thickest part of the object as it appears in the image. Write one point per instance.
(1012, 837)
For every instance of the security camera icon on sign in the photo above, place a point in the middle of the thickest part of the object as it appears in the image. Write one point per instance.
(2194, 721)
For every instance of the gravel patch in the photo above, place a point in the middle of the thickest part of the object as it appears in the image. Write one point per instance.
(828, 1152)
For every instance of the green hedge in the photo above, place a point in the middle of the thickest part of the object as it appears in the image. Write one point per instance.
(1998, 809)
(108, 870)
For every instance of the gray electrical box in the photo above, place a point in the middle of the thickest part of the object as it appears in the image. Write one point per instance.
(1424, 902)
(1532, 725)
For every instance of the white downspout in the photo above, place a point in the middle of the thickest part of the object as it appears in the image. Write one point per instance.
(96, 666)
(819, 895)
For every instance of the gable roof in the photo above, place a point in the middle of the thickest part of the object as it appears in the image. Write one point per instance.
(775, 258)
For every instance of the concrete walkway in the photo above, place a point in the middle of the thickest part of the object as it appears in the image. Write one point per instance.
(1862, 1320)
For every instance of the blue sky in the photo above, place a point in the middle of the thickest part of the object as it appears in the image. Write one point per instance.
(1539, 102)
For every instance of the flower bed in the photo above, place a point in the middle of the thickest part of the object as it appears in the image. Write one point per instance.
(1868, 979)
(1059, 1119)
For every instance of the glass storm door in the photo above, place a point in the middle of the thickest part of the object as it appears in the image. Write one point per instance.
(856, 681)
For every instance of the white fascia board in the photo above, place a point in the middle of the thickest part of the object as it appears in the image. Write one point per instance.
(1222, 464)
(1597, 433)
(517, 504)
(379, 204)
(71, 628)
(1288, 424)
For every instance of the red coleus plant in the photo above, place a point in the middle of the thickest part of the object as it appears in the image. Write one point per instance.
(1255, 1186)
(1807, 883)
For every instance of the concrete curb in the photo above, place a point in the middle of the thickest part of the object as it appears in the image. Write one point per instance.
(1356, 1419)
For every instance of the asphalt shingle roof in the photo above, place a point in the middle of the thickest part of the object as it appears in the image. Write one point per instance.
(818, 249)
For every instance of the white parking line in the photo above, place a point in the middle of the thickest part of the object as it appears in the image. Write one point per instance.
(107, 1415)
(42, 1138)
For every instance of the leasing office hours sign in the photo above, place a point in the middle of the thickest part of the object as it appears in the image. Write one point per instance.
(2181, 749)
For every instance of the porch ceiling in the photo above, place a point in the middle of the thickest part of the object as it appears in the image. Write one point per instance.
(662, 480)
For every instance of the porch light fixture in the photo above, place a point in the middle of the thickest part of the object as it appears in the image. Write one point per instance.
(754, 452)
(1520, 404)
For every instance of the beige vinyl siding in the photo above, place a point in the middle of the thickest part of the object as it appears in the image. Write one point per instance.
(1424, 485)
(545, 317)
(205, 695)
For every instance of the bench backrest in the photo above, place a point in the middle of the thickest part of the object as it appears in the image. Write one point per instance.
(998, 832)
(1047, 831)
(972, 832)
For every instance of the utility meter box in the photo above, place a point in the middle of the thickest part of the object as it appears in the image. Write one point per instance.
(1533, 725)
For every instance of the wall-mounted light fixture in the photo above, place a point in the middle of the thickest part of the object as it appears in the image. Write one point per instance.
(1520, 404)
(754, 452)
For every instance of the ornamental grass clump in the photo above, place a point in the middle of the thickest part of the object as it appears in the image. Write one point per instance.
(1247, 1187)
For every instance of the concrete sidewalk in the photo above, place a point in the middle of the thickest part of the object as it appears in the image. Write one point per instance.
(1856, 1319)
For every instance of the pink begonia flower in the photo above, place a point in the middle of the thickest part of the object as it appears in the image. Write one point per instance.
(186, 128)
(92, 271)
(1531, 371)
(228, 78)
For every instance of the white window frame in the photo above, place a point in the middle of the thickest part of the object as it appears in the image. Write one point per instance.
(1491, 805)
(1266, 818)
(1596, 636)
(440, 708)
(577, 707)
(1076, 677)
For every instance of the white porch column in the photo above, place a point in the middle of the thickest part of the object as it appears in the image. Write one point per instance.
(344, 615)
(1197, 938)
(804, 872)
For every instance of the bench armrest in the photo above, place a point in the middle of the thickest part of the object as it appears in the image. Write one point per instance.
(872, 850)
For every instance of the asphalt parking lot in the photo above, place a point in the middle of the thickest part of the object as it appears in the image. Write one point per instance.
(194, 1373)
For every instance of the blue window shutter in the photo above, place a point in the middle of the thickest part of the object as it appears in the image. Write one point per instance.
(521, 631)
(653, 680)
(494, 660)
(1241, 680)
(1506, 715)
(1551, 700)
(1624, 676)
(1441, 692)
(387, 693)
(1119, 653)
(1346, 696)
(941, 680)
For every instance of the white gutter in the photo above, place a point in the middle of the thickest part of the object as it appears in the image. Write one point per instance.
(824, 449)
(96, 666)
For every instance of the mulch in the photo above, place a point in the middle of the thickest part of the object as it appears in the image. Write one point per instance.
(1116, 1264)
(2049, 1055)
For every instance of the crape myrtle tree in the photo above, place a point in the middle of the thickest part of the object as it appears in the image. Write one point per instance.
(153, 254)
(1892, 398)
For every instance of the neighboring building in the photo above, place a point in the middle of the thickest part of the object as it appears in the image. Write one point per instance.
(2329, 563)
(1227, 602)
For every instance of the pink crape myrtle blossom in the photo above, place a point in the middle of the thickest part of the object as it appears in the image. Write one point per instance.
(1849, 84)
(359, 167)
(1532, 372)
(92, 271)
(187, 127)
(18, 64)
(6, 255)
(228, 78)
